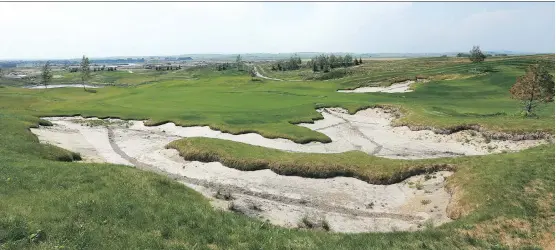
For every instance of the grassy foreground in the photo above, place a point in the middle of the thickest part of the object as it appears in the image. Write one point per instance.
(507, 200)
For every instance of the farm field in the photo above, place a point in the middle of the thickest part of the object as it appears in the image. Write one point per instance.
(499, 199)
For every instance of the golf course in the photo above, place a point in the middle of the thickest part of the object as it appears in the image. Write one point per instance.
(453, 128)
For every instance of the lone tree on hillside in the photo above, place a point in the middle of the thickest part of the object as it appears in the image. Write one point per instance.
(85, 71)
(476, 55)
(537, 85)
(46, 74)
(238, 61)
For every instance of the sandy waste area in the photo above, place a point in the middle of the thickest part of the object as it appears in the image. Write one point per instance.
(401, 87)
(53, 86)
(339, 204)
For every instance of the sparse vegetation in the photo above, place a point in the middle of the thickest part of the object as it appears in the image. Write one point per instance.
(223, 195)
(314, 223)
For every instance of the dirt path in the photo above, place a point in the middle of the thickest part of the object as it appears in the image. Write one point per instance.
(264, 77)
(257, 72)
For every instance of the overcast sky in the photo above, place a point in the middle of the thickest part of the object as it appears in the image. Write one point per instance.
(69, 30)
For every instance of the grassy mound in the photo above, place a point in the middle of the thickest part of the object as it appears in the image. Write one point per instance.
(372, 169)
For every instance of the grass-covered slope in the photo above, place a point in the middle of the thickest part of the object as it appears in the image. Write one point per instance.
(508, 200)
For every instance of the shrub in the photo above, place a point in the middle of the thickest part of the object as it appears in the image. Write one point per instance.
(44, 122)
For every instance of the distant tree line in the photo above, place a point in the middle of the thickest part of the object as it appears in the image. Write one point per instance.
(167, 67)
(240, 65)
(325, 63)
(95, 68)
(294, 63)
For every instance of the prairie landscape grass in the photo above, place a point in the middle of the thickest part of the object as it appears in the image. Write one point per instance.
(47, 201)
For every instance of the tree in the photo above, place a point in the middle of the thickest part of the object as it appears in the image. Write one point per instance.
(360, 61)
(46, 74)
(537, 85)
(85, 71)
(355, 61)
(238, 61)
(476, 55)
(315, 66)
(298, 59)
(326, 68)
(347, 60)
(333, 61)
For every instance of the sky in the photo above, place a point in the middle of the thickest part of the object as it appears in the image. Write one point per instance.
(72, 29)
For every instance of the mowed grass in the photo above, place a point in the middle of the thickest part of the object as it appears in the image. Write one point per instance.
(501, 201)
(231, 102)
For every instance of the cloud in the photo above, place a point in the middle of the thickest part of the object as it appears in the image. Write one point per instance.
(68, 30)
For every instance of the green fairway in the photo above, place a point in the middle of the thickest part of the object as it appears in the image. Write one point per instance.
(231, 102)
(500, 200)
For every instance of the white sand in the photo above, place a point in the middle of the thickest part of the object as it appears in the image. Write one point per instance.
(368, 131)
(394, 88)
(53, 86)
(283, 200)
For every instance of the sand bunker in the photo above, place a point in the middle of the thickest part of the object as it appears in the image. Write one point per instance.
(53, 86)
(368, 131)
(394, 88)
(342, 204)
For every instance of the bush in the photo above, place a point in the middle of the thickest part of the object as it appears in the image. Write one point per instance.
(44, 122)
(425, 202)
